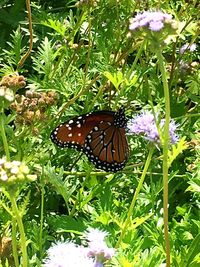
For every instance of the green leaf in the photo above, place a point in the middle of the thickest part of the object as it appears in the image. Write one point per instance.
(116, 79)
(59, 183)
(56, 25)
(176, 150)
(64, 224)
(194, 186)
(194, 249)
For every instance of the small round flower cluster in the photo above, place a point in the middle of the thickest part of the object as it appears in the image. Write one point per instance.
(69, 254)
(145, 124)
(32, 107)
(188, 47)
(97, 247)
(14, 172)
(154, 21)
(8, 87)
(13, 82)
(156, 24)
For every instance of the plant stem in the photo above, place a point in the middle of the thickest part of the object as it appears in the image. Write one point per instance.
(41, 220)
(4, 139)
(18, 218)
(165, 153)
(138, 55)
(14, 242)
(23, 59)
(130, 211)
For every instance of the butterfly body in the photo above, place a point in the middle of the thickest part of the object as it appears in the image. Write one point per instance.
(100, 135)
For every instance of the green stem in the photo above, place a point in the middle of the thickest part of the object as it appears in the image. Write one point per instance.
(27, 54)
(41, 221)
(165, 153)
(18, 218)
(130, 211)
(141, 49)
(14, 242)
(4, 139)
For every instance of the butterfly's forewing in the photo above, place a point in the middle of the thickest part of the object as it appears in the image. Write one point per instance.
(74, 132)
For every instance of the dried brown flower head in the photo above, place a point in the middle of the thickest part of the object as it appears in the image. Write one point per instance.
(32, 108)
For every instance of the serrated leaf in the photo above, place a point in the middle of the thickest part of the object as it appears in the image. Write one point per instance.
(58, 26)
(58, 182)
(176, 150)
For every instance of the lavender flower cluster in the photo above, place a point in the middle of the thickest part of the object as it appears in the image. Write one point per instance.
(152, 20)
(188, 47)
(69, 254)
(145, 124)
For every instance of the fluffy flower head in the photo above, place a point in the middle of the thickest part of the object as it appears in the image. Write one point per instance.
(189, 47)
(97, 246)
(145, 124)
(152, 20)
(156, 26)
(95, 235)
(67, 255)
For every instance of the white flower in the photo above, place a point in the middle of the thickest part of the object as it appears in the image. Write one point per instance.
(2, 160)
(3, 175)
(97, 247)
(95, 235)
(14, 170)
(67, 255)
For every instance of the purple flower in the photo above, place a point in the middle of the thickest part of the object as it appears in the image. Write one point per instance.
(97, 248)
(98, 264)
(189, 47)
(156, 26)
(152, 20)
(145, 124)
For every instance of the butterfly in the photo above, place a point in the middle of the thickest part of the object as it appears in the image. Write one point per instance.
(100, 135)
